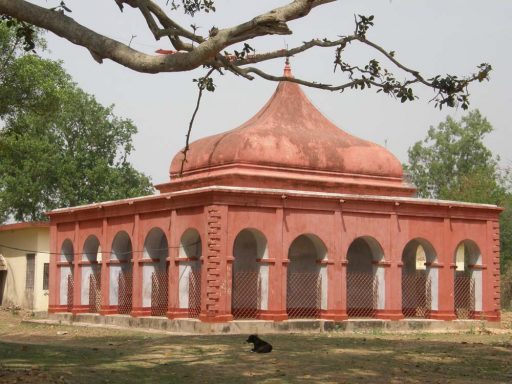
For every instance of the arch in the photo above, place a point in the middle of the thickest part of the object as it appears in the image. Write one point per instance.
(306, 293)
(190, 252)
(155, 279)
(365, 277)
(91, 274)
(249, 279)
(419, 279)
(121, 273)
(67, 254)
(468, 279)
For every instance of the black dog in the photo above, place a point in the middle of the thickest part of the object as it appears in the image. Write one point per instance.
(260, 346)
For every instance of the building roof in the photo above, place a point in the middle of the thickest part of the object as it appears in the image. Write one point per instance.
(27, 225)
(287, 137)
(290, 131)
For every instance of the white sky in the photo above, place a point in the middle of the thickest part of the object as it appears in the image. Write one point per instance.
(433, 36)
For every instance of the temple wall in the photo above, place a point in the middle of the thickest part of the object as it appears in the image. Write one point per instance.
(322, 230)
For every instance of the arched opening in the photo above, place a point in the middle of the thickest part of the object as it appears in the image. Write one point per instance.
(250, 279)
(306, 288)
(365, 278)
(67, 255)
(91, 274)
(121, 273)
(154, 272)
(190, 273)
(468, 280)
(419, 279)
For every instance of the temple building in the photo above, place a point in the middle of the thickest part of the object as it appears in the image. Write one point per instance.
(284, 217)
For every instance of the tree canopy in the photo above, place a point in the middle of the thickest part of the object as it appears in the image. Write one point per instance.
(58, 146)
(234, 49)
(453, 163)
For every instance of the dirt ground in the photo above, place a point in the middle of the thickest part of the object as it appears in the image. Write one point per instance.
(37, 353)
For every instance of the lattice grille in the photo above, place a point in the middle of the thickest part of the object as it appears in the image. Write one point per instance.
(159, 293)
(71, 288)
(94, 292)
(246, 294)
(464, 292)
(304, 295)
(362, 294)
(194, 293)
(125, 281)
(416, 294)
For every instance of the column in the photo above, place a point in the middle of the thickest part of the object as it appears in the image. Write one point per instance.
(446, 272)
(137, 255)
(214, 284)
(276, 309)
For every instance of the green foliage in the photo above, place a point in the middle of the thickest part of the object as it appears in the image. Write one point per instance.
(453, 163)
(58, 146)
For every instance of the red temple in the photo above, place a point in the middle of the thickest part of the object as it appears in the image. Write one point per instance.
(286, 216)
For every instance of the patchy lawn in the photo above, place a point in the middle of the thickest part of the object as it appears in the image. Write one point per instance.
(36, 353)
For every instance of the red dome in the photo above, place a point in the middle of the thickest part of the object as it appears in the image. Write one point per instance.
(289, 135)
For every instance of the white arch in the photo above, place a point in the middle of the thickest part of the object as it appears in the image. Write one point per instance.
(305, 253)
(155, 247)
(67, 254)
(363, 256)
(191, 249)
(411, 264)
(90, 253)
(121, 250)
(249, 246)
(472, 258)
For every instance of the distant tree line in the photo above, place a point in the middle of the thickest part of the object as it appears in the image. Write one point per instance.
(453, 163)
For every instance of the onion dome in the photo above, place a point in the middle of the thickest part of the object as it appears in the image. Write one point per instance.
(289, 144)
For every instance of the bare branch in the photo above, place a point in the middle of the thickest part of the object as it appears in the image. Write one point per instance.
(201, 88)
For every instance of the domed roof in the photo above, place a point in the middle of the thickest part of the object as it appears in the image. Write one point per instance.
(289, 144)
(290, 132)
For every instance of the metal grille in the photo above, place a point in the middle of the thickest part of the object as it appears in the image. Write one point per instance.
(159, 293)
(71, 286)
(246, 294)
(194, 293)
(362, 294)
(125, 281)
(464, 293)
(94, 292)
(416, 294)
(303, 295)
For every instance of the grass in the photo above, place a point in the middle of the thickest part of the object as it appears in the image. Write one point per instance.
(36, 353)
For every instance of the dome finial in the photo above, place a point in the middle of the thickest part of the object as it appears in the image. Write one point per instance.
(287, 68)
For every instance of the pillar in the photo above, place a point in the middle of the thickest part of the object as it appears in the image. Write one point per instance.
(336, 273)
(491, 303)
(446, 282)
(215, 303)
(277, 273)
(392, 274)
(137, 255)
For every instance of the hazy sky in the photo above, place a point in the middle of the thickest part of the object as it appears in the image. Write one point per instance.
(433, 36)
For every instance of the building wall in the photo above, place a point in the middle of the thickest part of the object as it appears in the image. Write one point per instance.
(33, 239)
(332, 224)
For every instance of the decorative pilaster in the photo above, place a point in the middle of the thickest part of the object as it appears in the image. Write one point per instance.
(491, 276)
(214, 292)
